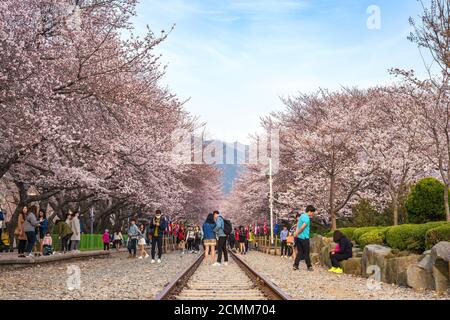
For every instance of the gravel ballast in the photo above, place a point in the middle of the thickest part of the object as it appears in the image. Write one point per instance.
(321, 284)
(115, 277)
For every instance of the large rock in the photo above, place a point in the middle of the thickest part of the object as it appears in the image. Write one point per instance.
(441, 251)
(318, 242)
(374, 256)
(419, 278)
(357, 252)
(352, 266)
(426, 263)
(314, 258)
(396, 269)
(324, 256)
(440, 258)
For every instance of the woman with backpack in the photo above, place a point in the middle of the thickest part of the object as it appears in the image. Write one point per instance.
(64, 232)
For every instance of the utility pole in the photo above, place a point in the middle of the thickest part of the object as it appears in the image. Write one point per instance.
(271, 200)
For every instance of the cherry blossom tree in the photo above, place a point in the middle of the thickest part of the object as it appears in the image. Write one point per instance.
(431, 96)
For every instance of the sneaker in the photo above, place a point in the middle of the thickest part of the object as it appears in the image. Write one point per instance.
(332, 269)
(294, 268)
(338, 270)
(140, 257)
(216, 264)
(153, 261)
(310, 269)
(30, 255)
(225, 263)
(159, 260)
(146, 256)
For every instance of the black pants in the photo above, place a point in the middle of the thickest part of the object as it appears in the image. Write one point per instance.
(106, 246)
(21, 246)
(156, 241)
(222, 247)
(31, 240)
(337, 257)
(246, 245)
(302, 252)
(284, 248)
(197, 245)
(65, 243)
(132, 246)
(190, 244)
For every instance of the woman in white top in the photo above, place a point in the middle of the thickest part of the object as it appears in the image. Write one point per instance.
(118, 238)
(142, 243)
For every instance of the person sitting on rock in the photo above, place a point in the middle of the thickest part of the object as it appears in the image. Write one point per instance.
(341, 252)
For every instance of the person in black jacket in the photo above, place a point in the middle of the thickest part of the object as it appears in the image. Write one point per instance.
(157, 227)
(343, 251)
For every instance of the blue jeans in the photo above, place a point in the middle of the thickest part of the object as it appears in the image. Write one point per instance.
(31, 240)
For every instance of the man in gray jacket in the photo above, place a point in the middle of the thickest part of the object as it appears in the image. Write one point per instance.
(29, 227)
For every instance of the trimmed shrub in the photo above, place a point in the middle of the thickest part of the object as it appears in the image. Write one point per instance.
(409, 236)
(425, 202)
(360, 231)
(372, 237)
(436, 235)
(347, 231)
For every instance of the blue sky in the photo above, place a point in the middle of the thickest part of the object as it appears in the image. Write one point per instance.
(235, 58)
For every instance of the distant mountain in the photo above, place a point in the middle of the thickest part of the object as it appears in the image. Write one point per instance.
(230, 173)
(233, 158)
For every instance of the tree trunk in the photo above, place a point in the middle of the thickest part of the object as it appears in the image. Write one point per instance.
(332, 207)
(395, 211)
(447, 209)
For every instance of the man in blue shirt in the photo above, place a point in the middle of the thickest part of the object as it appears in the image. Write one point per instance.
(302, 235)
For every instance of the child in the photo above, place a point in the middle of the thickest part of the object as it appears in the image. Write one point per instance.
(106, 240)
(47, 243)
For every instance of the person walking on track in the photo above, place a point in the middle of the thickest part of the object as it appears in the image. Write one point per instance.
(133, 235)
(222, 236)
(157, 227)
(302, 235)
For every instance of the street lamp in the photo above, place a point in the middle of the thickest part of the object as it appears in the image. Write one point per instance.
(271, 200)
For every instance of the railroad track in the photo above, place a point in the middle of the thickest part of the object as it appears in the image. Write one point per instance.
(237, 281)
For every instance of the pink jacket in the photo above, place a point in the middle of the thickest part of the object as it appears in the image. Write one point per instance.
(106, 237)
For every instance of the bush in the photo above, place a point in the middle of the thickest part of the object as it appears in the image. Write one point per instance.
(372, 237)
(426, 201)
(361, 231)
(438, 234)
(347, 231)
(409, 236)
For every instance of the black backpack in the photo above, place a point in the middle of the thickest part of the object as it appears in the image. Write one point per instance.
(227, 227)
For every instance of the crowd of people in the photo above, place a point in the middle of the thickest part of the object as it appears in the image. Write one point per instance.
(33, 237)
(216, 236)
